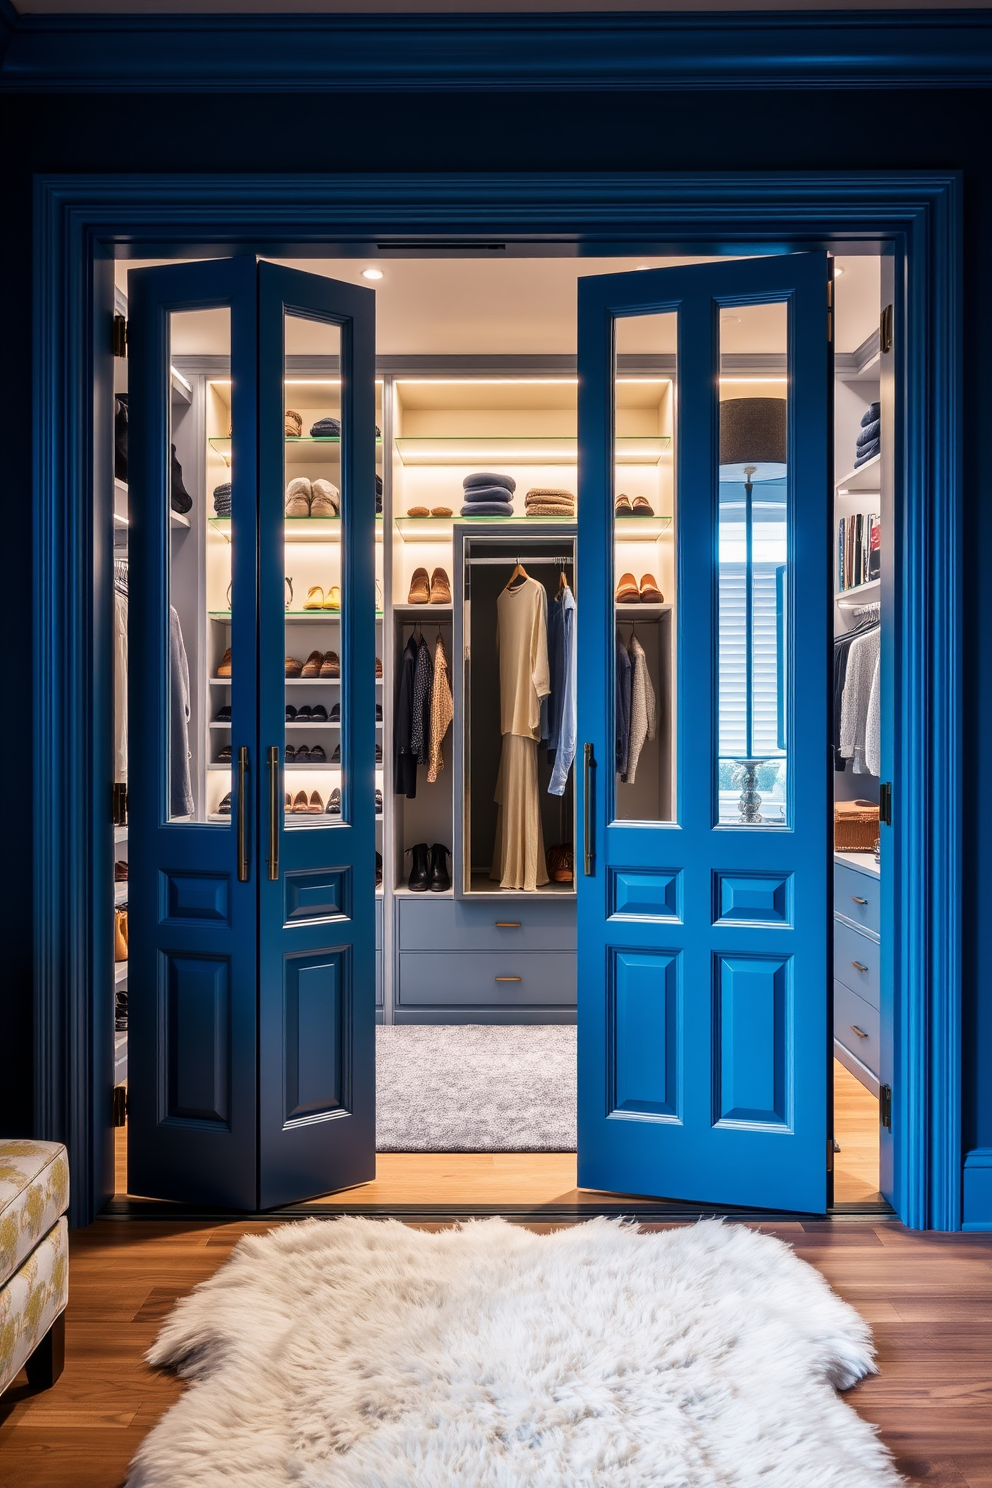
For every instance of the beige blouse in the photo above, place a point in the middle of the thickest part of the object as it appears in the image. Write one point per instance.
(442, 711)
(522, 642)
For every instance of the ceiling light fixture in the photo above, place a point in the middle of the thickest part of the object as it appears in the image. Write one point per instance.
(371, 273)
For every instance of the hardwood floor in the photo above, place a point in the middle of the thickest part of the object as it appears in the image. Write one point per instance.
(927, 1297)
(536, 1179)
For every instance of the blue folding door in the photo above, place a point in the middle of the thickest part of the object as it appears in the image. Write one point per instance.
(251, 979)
(703, 605)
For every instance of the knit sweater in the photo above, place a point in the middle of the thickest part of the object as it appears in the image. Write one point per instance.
(861, 663)
(643, 708)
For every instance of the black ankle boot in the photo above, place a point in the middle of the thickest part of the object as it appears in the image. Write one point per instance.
(440, 877)
(421, 871)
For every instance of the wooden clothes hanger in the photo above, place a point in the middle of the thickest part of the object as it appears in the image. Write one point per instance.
(519, 573)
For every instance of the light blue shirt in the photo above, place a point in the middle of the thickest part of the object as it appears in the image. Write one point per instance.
(567, 681)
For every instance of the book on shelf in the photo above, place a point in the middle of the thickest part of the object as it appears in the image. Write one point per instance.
(859, 549)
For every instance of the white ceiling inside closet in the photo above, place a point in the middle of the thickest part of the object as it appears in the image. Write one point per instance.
(526, 306)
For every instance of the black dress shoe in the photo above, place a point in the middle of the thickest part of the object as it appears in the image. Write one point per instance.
(378, 869)
(440, 877)
(420, 873)
(290, 713)
(378, 803)
(335, 714)
(378, 754)
(318, 713)
(305, 714)
(224, 716)
(336, 756)
(224, 809)
(378, 712)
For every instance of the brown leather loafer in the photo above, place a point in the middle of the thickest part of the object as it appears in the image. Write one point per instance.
(440, 588)
(301, 803)
(330, 665)
(420, 587)
(313, 664)
(650, 593)
(224, 670)
(293, 667)
(627, 590)
(316, 806)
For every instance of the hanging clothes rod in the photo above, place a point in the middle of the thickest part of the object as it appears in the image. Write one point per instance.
(525, 560)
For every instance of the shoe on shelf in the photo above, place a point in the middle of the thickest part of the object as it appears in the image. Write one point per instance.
(301, 803)
(440, 877)
(378, 869)
(291, 714)
(332, 600)
(293, 667)
(334, 802)
(622, 507)
(649, 591)
(336, 756)
(224, 809)
(224, 716)
(330, 665)
(298, 497)
(317, 755)
(305, 714)
(420, 873)
(378, 802)
(120, 871)
(335, 713)
(325, 500)
(224, 758)
(378, 666)
(316, 806)
(378, 754)
(315, 598)
(642, 507)
(289, 755)
(560, 862)
(378, 712)
(440, 587)
(313, 664)
(627, 590)
(302, 755)
(420, 587)
(318, 713)
(224, 670)
(289, 802)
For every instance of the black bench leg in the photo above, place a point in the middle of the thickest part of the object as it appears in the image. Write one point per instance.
(48, 1360)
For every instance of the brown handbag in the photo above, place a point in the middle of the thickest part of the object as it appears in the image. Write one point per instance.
(855, 826)
(120, 934)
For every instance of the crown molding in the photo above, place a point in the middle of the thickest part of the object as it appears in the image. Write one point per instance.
(531, 52)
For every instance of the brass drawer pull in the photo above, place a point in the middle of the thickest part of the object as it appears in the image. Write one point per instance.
(507, 924)
(859, 1031)
(856, 900)
(858, 966)
(509, 979)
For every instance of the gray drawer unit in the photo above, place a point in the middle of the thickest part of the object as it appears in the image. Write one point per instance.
(856, 1026)
(453, 925)
(486, 979)
(856, 897)
(378, 924)
(378, 979)
(856, 958)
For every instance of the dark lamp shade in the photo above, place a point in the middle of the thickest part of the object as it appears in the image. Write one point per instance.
(752, 434)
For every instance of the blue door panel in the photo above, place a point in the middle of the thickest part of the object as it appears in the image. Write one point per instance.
(196, 1013)
(703, 949)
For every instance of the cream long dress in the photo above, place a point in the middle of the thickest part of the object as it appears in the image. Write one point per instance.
(524, 679)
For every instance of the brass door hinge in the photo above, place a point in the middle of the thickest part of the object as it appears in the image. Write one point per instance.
(885, 803)
(120, 336)
(885, 330)
(885, 1106)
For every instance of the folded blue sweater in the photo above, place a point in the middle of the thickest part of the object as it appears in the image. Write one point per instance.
(487, 478)
(486, 493)
(487, 509)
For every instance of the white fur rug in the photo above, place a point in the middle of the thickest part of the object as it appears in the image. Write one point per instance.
(364, 1354)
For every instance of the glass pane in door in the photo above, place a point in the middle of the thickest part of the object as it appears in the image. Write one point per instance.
(754, 558)
(201, 523)
(644, 437)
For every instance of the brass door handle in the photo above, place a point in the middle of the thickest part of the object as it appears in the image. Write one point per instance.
(856, 900)
(509, 979)
(507, 924)
(244, 867)
(272, 763)
(859, 1031)
(858, 966)
(588, 832)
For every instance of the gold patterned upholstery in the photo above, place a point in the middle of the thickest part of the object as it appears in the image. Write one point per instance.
(34, 1191)
(34, 1251)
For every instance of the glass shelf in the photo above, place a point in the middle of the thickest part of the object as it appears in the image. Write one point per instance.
(223, 617)
(306, 449)
(299, 529)
(440, 529)
(542, 449)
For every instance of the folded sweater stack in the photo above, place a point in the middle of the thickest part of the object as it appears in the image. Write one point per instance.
(543, 501)
(869, 439)
(222, 499)
(488, 495)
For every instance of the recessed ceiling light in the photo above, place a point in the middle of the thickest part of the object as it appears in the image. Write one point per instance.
(371, 273)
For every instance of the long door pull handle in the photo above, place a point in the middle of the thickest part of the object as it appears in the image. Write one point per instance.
(244, 867)
(588, 835)
(859, 1031)
(859, 966)
(272, 861)
(857, 900)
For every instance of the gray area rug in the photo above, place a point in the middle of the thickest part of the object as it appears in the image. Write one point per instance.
(475, 1088)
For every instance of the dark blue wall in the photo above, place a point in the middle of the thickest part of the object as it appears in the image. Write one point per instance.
(681, 131)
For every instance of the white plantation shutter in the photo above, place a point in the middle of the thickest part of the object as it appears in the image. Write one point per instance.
(733, 687)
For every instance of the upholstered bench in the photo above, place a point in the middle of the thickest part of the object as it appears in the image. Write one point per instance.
(34, 1260)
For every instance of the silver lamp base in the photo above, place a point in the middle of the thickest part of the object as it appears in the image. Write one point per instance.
(744, 776)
